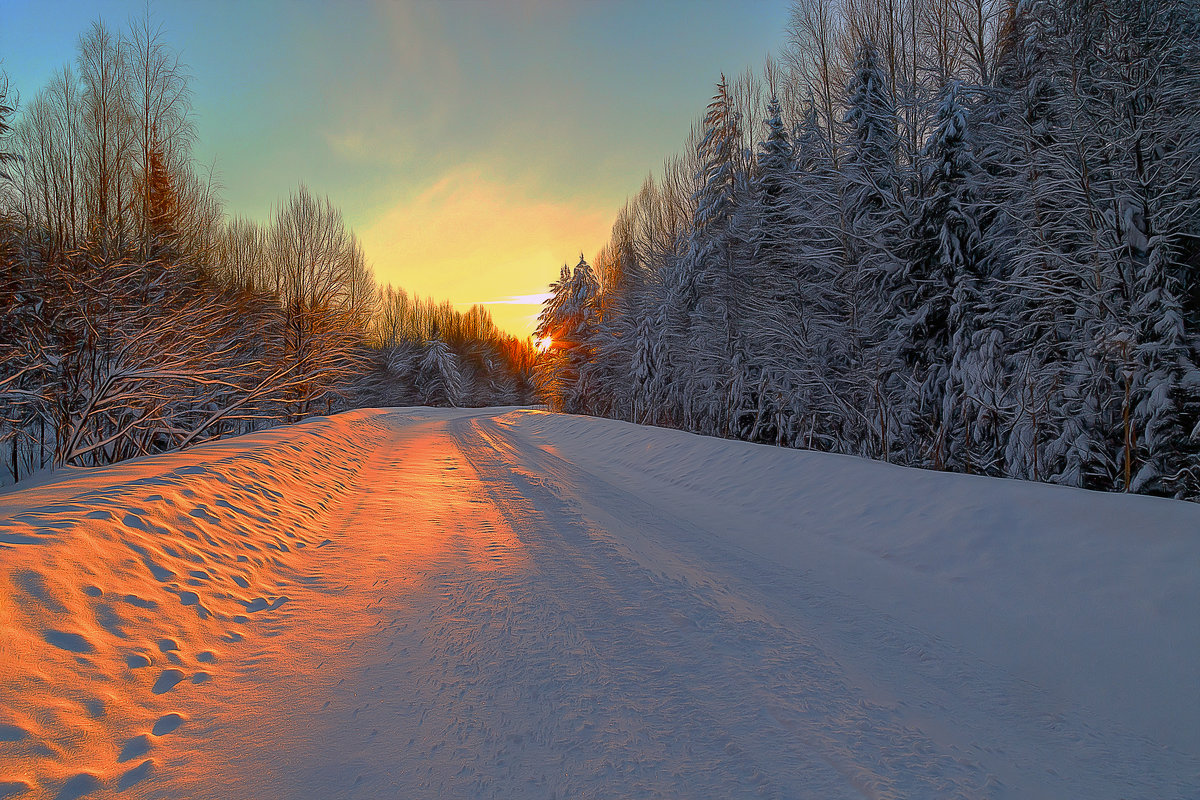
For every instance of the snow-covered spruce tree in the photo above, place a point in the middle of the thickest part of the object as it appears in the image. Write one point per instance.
(550, 376)
(704, 289)
(439, 376)
(820, 412)
(1147, 77)
(582, 315)
(630, 365)
(1098, 180)
(610, 339)
(1020, 298)
(769, 279)
(1023, 125)
(1087, 449)
(567, 320)
(939, 295)
(988, 403)
(873, 240)
(649, 366)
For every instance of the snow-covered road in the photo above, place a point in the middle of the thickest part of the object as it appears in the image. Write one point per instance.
(501, 603)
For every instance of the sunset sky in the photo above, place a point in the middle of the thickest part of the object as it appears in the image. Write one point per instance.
(473, 146)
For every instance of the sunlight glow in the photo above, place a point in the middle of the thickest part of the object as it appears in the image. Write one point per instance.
(469, 236)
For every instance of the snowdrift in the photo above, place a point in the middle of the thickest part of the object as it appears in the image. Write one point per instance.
(119, 587)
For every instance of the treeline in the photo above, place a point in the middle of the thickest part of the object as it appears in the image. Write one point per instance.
(956, 234)
(135, 317)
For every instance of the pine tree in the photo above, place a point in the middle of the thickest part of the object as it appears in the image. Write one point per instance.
(582, 316)
(1021, 297)
(820, 414)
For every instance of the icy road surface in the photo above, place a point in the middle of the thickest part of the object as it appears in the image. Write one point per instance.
(420, 603)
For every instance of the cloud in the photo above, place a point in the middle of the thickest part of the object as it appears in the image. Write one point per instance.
(468, 234)
(350, 145)
(516, 300)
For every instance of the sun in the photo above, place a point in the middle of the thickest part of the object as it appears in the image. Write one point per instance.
(543, 344)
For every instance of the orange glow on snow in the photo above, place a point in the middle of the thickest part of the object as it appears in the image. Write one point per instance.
(125, 609)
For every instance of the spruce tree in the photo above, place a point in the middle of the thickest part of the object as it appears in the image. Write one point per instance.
(873, 225)
(769, 282)
(705, 279)
(439, 375)
(940, 294)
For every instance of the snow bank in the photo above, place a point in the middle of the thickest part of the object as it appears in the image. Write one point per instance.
(120, 586)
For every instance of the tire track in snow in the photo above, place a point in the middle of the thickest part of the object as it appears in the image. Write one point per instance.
(771, 713)
(1031, 746)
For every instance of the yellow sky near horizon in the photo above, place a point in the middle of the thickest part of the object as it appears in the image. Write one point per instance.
(475, 239)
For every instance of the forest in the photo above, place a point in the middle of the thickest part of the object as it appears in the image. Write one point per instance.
(954, 234)
(137, 317)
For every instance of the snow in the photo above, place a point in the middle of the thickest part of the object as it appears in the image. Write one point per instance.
(513, 603)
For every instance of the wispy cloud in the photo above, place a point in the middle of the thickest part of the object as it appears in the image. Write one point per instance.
(351, 144)
(515, 300)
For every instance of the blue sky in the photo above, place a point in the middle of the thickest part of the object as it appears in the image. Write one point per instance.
(474, 146)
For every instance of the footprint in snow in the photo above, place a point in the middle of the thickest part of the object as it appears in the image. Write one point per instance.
(110, 620)
(34, 584)
(12, 733)
(82, 784)
(261, 604)
(134, 600)
(160, 573)
(135, 775)
(135, 522)
(95, 707)
(13, 789)
(134, 748)
(71, 642)
(167, 723)
(9, 536)
(204, 514)
(168, 680)
(136, 661)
